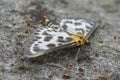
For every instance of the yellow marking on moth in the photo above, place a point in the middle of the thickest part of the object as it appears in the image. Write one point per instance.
(79, 39)
(47, 22)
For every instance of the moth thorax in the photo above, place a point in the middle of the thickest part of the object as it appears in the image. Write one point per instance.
(79, 39)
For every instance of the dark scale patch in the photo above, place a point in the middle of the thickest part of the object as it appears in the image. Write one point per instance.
(68, 39)
(90, 22)
(60, 37)
(36, 33)
(36, 44)
(56, 28)
(39, 42)
(87, 30)
(48, 38)
(60, 44)
(58, 21)
(45, 33)
(77, 23)
(79, 29)
(69, 22)
(36, 49)
(38, 30)
(49, 30)
(38, 37)
(51, 45)
(88, 27)
(61, 40)
(35, 39)
(64, 27)
(77, 18)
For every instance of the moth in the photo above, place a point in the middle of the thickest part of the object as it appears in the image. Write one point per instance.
(65, 32)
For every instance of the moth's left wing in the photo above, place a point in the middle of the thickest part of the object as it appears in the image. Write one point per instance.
(48, 40)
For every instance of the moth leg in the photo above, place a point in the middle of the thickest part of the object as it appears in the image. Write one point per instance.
(76, 56)
(59, 52)
(79, 40)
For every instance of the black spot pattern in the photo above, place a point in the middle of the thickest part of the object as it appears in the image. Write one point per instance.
(48, 38)
(79, 29)
(69, 22)
(36, 44)
(38, 30)
(36, 33)
(77, 23)
(39, 42)
(49, 31)
(60, 40)
(51, 45)
(45, 33)
(65, 27)
(38, 37)
(55, 28)
(60, 37)
(88, 27)
(36, 49)
(60, 44)
(68, 39)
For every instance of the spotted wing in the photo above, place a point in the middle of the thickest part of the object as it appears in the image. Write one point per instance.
(48, 39)
(77, 26)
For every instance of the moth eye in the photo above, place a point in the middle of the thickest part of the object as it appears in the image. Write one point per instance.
(81, 37)
(79, 41)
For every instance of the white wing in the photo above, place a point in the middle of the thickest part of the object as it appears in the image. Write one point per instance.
(77, 26)
(48, 39)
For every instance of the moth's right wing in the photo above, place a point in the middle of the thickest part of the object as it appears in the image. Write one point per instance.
(77, 26)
